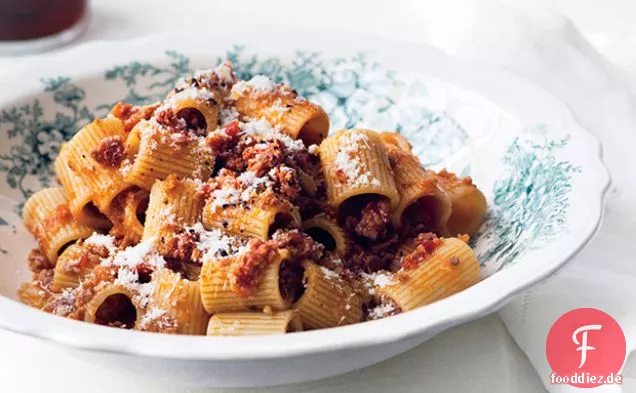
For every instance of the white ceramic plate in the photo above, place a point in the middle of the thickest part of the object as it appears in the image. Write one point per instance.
(541, 173)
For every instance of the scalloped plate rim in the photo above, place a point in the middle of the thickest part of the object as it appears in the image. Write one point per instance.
(464, 306)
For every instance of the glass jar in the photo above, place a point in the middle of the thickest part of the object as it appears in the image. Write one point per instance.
(28, 26)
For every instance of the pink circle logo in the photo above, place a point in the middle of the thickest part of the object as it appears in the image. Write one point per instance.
(586, 348)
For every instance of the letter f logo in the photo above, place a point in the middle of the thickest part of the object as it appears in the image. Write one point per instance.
(583, 344)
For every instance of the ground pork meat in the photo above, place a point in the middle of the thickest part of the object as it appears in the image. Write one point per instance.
(361, 260)
(167, 118)
(286, 182)
(290, 279)
(247, 270)
(219, 141)
(309, 206)
(82, 257)
(37, 261)
(194, 120)
(144, 272)
(130, 115)
(416, 219)
(228, 148)
(372, 221)
(185, 125)
(301, 159)
(110, 152)
(300, 245)
(180, 246)
(264, 156)
(426, 244)
(45, 279)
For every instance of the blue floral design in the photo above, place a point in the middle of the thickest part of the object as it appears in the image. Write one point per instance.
(38, 137)
(530, 203)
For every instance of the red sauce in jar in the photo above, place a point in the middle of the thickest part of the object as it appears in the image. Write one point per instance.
(30, 19)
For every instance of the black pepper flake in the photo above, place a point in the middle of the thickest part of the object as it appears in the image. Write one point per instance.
(242, 230)
(223, 253)
(195, 83)
(212, 101)
(225, 224)
(178, 89)
(290, 106)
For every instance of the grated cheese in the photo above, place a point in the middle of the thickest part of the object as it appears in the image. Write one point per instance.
(348, 162)
(329, 274)
(214, 243)
(224, 196)
(191, 92)
(227, 115)
(263, 129)
(375, 280)
(381, 311)
(258, 83)
(151, 315)
(131, 256)
(102, 240)
(126, 277)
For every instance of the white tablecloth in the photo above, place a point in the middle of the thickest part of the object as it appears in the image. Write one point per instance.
(475, 357)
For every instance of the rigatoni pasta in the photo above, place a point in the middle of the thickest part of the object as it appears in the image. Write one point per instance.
(327, 232)
(222, 282)
(354, 164)
(48, 217)
(88, 168)
(174, 203)
(423, 205)
(254, 323)
(278, 104)
(259, 219)
(328, 300)
(468, 204)
(432, 274)
(161, 155)
(181, 299)
(226, 209)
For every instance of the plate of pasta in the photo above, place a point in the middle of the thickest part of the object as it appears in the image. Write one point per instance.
(256, 210)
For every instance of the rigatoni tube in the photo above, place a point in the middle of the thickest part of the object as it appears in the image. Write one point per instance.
(174, 203)
(88, 168)
(468, 204)
(162, 153)
(424, 206)
(328, 299)
(180, 299)
(327, 232)
(450, 268)
(281, 107)
(355, 163)
(254, 323)
(46, 214)
(258, 218)
(259, 277)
